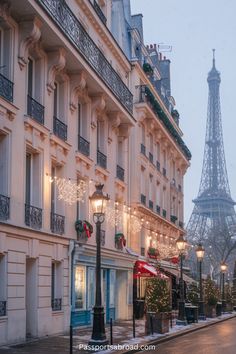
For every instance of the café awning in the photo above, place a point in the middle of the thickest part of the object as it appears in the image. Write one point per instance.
(144, 269)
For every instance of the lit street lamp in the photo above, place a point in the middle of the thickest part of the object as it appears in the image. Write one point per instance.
(181, 244)
(98, 203)
(200, 251)
(223, 269)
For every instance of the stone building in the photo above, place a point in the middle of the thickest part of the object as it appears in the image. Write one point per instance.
(73, 114)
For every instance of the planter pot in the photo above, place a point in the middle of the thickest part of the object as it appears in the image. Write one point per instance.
(211, 311)
(157, 322)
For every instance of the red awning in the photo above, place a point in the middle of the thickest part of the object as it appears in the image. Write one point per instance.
(144, 269)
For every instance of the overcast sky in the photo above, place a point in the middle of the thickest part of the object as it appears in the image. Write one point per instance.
(193, 28)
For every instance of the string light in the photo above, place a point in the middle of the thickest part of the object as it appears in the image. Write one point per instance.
(69, 191)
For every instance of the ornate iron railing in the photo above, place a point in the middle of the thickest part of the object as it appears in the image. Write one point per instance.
(6, 88)
(4, 207)
(33, 216)
(173, 218)
(99, 12)
(164, 171)
(120, 173)
(56, 304)
(3, 308)
(143, 149)
(179, 188)
(181, 224)
(101, 159)
(150, 157)
(143, 199)
(59, 129)
(158, 166)
(57, 224)
(158, 209)
(77, 35)
(35, 110)
(84, 146)
(164, 213)
(150, 204)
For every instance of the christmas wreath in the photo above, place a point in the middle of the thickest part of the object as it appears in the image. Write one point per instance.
(83, 225)
(120, 240)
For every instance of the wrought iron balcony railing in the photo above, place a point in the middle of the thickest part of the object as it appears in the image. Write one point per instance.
(179, 188)
(35, 110)
(173, 218)
(143, 149)
(120, 173)
(158, 166)
(3, 308)
(101, 159)
(6, 88)
(56, 304)
(158, 209)
(164, 171)
(150, 157)
(33, 216)
(181, 224)
(143, 199)
(4, 207)
(164, 213)
(59, 129)
(150, 204)
(99, 12)
(57, 224)
(83, 146)
(77, 35)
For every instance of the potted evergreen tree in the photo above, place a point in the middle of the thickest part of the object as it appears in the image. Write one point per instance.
(157, 302)
(212, 295)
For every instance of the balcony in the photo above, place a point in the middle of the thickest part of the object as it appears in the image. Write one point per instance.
(164, 213)
(158, 209)
(35, 110)
(3, 308)
(150, 157)
(4, 207)
(143, 150)
(56, 304)
(164, 172)
(181, 224)
(120, 173)
(173, 218)
(75, 32)
(57, 224)
(143, 199)
(150, 204)
(158, 166)
(33, 217)
(83, 146)
(59, 129)
(179, 188)
(6, 88)
(99, 12)
(101, 159)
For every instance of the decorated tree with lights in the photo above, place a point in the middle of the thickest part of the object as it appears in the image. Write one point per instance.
(193, 293)
(157, 295)
(211, 292)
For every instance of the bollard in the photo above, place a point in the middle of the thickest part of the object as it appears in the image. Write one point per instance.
(71, 339)
(151, 323)
(171, 323)
(133, 326)
(111, 333)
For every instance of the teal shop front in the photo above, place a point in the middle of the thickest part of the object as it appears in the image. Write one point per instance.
(83, 297)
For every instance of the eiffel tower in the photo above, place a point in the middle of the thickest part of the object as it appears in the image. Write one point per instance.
(213, 220)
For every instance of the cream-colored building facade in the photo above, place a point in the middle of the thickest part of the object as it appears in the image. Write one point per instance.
(71, 117)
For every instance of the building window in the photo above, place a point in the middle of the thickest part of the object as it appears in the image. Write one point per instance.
(80, 288)
(56, 286)
(83, 143)
(130, 288)
(5, 52)
(57, 219)
(59, 126)
(4, 162)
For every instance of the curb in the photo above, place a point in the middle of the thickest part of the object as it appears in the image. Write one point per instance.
(178, 334)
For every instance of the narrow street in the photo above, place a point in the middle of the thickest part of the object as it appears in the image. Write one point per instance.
(217, 339)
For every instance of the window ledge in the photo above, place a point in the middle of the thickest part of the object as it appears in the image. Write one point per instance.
(32, 123)
(101, 171)
(82, 158)
(58, 313)
(8, 109)
(3, 318)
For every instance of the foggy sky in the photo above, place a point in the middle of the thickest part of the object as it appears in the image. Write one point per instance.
(193, 28)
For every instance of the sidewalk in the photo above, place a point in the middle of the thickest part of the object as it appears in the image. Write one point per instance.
(122, 335)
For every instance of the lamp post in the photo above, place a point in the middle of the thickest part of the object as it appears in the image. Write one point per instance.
(223, 269)
(181, 244)
(98, 203)
(200, 251)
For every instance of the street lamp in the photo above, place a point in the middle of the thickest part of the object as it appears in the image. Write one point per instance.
(223, 269)
(98, 203)
(200, 251)
(181, 244)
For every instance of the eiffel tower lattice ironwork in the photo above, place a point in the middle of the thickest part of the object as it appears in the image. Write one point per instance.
(213, 220)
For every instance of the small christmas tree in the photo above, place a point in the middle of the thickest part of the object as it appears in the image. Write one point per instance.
(234, 285)
(211, 292)
(157, 295)
(193, 293)
(228, 295)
